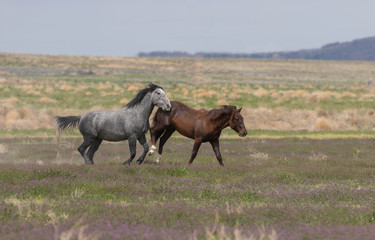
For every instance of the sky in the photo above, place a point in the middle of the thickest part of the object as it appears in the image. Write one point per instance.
(124, 28)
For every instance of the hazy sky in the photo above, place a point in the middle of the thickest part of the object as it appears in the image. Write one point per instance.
(124, 27)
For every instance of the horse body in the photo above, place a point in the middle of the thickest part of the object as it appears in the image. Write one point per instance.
(194, 124)
(200, 125)
(117, 125)
(128, 123)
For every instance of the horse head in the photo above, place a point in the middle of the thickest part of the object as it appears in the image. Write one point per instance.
(159, 98)
(236, 122)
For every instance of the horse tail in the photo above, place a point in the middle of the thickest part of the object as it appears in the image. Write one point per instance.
(63, 123)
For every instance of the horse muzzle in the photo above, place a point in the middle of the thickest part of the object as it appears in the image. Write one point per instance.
(242, 133)
(168, 108)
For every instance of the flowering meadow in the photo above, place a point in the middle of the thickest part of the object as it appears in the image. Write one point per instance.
(286, 188)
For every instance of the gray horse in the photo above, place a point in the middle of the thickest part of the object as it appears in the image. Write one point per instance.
(128, 123)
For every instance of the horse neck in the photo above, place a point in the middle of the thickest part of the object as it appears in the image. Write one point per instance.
(223, 121)
(145, 107)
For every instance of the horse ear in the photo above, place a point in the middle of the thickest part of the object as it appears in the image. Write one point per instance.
(239, 110)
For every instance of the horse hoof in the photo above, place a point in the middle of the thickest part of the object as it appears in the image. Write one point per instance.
(124, 163)
(89, 162)
(157, 158)
(139, 162)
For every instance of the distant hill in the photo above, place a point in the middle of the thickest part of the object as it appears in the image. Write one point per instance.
(360, 49)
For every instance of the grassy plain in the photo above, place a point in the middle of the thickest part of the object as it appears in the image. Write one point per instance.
(269, 189)
(305, 171)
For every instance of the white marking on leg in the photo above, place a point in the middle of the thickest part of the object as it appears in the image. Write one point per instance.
(152, 150)
(157, 157)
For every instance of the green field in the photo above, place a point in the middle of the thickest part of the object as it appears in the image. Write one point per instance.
(304, 171)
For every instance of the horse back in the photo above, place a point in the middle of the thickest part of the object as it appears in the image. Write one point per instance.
(187, 121)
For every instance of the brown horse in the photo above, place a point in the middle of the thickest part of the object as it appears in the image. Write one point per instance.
(200, 125)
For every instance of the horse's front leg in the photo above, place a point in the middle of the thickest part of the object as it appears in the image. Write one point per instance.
(143, 142)
(197, 144)
(155, 133)
(133, 149)
(216, 147)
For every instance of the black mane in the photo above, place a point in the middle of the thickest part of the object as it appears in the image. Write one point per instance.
(141, 94)
(223, 110)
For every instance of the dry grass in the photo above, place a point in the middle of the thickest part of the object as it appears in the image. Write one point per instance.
(3, 148)
(268, 90)
(28, 117)
(259, 156)
(204, 93)
(78, 231)
(286, 119)
(134, 87)
(322, 124)
(66, 87)
(222, 233)
(47, 100)
(221, 102)
(261, 93)
(318, 157)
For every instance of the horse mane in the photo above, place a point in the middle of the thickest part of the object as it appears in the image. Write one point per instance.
(215, 114)
(141, 94)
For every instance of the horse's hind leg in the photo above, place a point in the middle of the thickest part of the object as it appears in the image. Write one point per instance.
(93, 148)
(143, 142)
(133, 149)
(167, 134)
(82, 149)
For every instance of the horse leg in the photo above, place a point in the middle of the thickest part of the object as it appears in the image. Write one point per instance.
(82, 149)
(143, 142)
(132, 147)
(93, 148)
(197, 144)
(167, 134)
(155, 133)
(216, 147)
